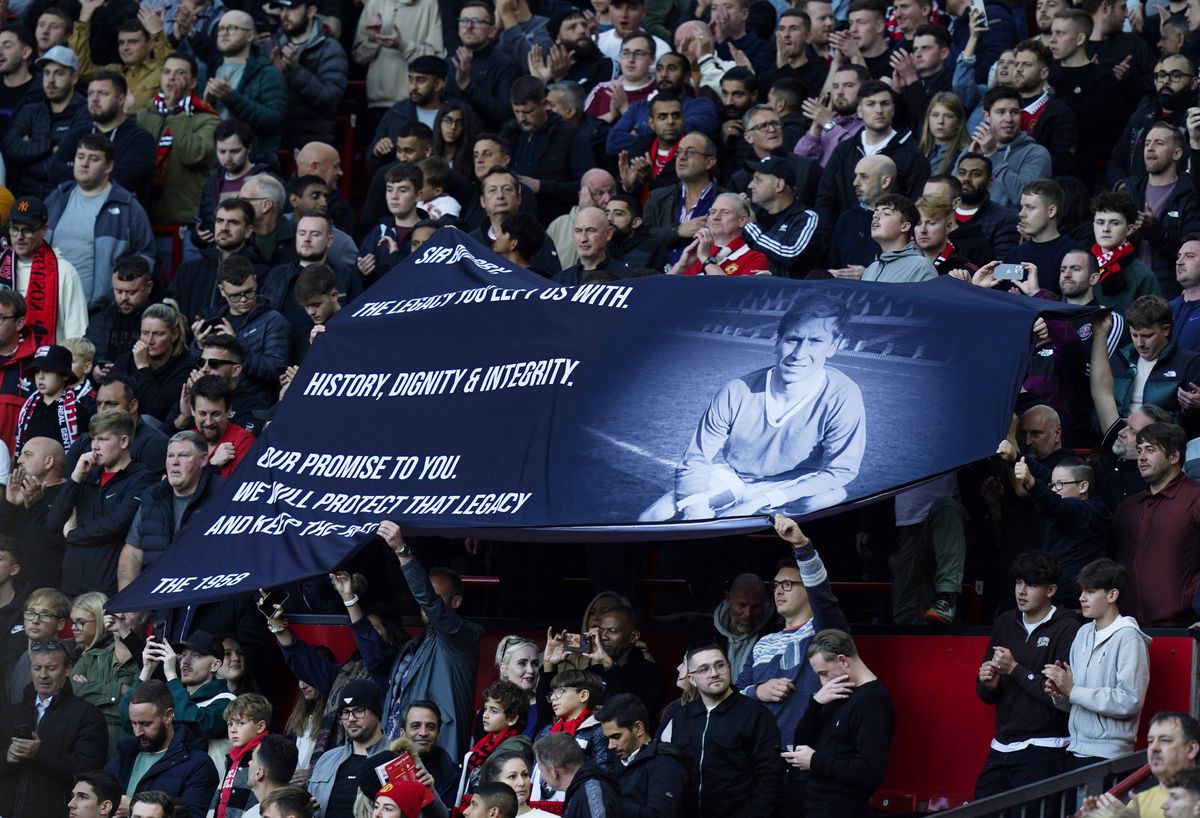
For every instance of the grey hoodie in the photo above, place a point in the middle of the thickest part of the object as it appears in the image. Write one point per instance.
(1111, 670)
(900, 266)
(740, 644)
(1015, 165)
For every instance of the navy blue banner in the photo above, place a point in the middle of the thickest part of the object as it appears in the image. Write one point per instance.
(462, 396)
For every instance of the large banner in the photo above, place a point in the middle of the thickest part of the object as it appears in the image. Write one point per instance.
(462, 396)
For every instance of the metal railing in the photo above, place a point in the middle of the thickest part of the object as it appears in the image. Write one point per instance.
(1032, 800)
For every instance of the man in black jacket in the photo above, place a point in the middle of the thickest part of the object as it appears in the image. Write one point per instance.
(544, 154)
(118, 325)
(622, 665)
(785, 231)
(48, 738)
(32, 488)
(194, 286)
(653, 775)
(877, 107)
(1051, 122)
(986, 231)
(103, 492)
(733, 742)
(482, 74)
(149, 444)
(1175, 89)
(1031, 733)
(591, 792)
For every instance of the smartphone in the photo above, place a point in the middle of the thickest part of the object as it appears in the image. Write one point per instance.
(271, 601)
(978, 5)
(1009, 272)
(23, 731)
(159, 630)
(577, 642)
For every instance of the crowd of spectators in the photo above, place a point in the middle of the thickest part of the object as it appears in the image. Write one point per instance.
(180, 226)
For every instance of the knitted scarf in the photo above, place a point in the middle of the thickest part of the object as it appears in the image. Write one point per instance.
(946, 253)
(1109, 262)
(41, 299)
(486, 746)
(68, 418)
(569, 726)
(1031, 113)
(658, 163)
(189, 105)
(236, 754)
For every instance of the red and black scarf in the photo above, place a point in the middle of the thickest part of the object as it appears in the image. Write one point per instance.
(68, 418)
(569, 726)
(486, 746)
(236, 754)
(1031, 113)
(41, 299)
(188, 106)
(1109, 262)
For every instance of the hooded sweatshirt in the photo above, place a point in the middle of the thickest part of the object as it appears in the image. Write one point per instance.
(739, 645)
(1015, 165)
(1111, 670)
(900, 266)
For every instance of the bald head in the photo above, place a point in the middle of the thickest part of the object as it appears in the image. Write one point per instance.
(235, 35)
(238, 18)
(320, 159)
(43, 458)
(1041, 431)
(874, 176)
(747, 599)
(599, 186)
(591, 232)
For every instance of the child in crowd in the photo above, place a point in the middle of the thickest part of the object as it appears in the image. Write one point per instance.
(1104, 686)
(505, 712)
(435, 172)
(316, 290)
(52, 411)
(246, 718)
(83, 358)
(572, 696)
(384, 244)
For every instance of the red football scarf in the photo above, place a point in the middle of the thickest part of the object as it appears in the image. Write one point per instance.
(187, 106)
(68, 418)
(1033, 112)
(947, 252)
(1109, 261)
(41, 299)
(235, 756)
(486, 746)
(569, 726)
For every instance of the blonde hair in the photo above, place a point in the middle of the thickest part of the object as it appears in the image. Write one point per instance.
(935, 205)
(50, 598)
(250, 706)
(511, 643)
(169, 315)
(81, 348)
(93, 602)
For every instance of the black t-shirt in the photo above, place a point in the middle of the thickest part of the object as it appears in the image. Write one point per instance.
(345, 787)
(10, 100)
(43, 421)
(880, 66)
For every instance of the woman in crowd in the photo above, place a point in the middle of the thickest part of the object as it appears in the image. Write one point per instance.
(513, 769)
(518, 660)
(235, 670)
(453, 135)
(307, 725)
(158, 362)
(106, 667)
(944, 136)
(687, 692)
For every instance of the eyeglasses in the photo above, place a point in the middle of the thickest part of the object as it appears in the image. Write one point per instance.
(765, 126)
(692, 153)
(247, 295)
(213, 363)
(40, 616)
(640, 54)
(352, 713)
(81, 623)
(231, 29)
(708, 670)
(471, 22)
(454, 123)
(1173, 76)
(38, 646)
(1057, 485)
(559, 691)
(785, 585)
(23, 232)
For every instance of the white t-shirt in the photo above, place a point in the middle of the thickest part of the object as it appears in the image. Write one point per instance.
(1141, 375)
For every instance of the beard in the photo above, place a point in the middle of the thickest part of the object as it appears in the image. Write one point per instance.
(974, 197)
(311, 256)
(584, 51)
(1170, 100)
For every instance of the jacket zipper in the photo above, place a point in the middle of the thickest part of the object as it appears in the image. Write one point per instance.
(703, 745)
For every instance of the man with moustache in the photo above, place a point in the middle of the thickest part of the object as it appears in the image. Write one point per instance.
(632, 241)
(985, 229)
(211, 400)
(650, 163)
(837, 120)
(574, 57)
(427, 87)
(314, 65)
(1044, 115)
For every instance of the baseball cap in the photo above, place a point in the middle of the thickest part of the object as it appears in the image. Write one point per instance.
(205, 644)
(59, 54)
(781, 166)
(29, 210)
(52, 358)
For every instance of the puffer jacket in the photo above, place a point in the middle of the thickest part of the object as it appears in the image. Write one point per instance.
(315, 85)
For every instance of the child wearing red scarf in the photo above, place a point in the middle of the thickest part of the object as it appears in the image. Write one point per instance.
(505, 711)
(571, 695)
(246, 718)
